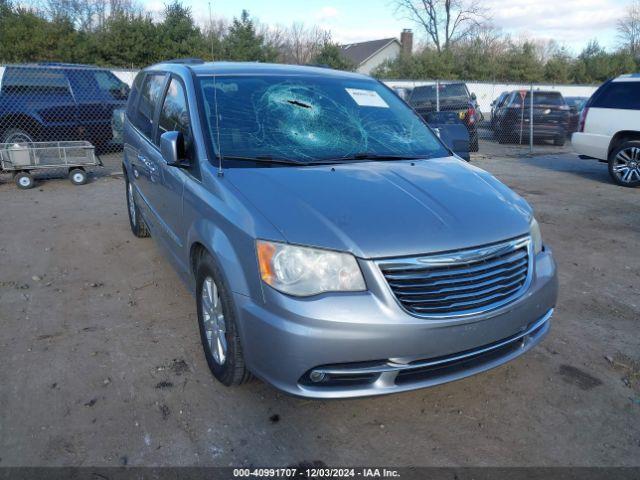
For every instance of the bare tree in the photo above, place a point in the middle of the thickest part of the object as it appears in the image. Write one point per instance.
(304, 43)
(444, 21)
(88, 15)
(629, 28)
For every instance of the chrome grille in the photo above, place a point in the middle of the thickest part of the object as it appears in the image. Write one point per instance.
(463, 282)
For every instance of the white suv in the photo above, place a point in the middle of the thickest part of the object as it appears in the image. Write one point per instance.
(609, 128)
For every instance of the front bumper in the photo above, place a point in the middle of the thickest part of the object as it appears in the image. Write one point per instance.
(366, 344)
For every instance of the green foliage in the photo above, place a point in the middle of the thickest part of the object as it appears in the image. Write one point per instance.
(243, 43)
(27, 37)
(331, 56)
(177, 35)
(127, 40)
(515, 63)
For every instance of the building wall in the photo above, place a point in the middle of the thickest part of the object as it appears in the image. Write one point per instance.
(390, 52)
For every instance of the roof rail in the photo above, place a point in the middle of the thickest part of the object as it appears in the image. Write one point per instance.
(185, 61)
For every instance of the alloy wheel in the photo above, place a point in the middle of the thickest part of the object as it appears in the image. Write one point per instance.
(213, 319)
(626, 165)
(132, 205)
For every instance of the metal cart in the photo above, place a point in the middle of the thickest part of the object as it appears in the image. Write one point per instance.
(23, 158)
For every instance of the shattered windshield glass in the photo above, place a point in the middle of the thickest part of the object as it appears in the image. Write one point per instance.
(311, 118)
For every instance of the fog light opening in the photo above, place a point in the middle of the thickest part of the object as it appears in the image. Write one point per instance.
(316, 376)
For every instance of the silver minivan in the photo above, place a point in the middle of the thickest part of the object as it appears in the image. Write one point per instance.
(335, 247)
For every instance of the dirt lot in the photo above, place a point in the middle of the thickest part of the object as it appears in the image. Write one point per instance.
(101, 361)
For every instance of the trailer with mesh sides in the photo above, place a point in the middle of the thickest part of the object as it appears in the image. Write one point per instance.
(23, 158)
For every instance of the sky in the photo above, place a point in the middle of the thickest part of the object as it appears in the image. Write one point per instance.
(572, 23)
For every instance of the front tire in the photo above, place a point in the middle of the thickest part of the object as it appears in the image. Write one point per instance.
(217, 322)
(136, 222)
(624, 164)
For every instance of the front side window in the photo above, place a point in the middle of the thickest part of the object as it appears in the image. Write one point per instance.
(310, 118)
(149, 96)
(110, 84)
(174, 115)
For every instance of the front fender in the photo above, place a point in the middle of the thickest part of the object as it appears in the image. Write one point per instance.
(236, 267)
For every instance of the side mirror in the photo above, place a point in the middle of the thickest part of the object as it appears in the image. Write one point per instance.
(473, 96)
(172, 149)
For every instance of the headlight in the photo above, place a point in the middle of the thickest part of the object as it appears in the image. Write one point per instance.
(304, 271)
(536, 236)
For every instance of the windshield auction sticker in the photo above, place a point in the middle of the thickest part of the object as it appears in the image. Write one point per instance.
(367, 98)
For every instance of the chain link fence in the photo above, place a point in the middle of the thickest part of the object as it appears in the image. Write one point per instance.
(53, 102)
(63, 102)
(513, 118)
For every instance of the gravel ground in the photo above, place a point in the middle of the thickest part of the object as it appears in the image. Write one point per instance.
(102, 363)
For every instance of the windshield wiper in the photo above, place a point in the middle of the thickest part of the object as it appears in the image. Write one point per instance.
(378, 157)
(265, 159)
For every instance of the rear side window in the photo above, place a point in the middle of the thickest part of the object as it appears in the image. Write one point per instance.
(34, 81)
(622, 95)
(149, 95)
(174, 115)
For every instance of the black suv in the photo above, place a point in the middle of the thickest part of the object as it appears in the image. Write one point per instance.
(451, 97)
(512, 118)
(58, 102)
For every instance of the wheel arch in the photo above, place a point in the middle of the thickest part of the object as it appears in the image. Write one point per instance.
(620, 137)
(204, 237)
(22, 121)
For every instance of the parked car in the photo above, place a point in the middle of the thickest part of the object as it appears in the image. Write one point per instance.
(609, 128)
(495, 105)
(335, 247)
(449, 97)
(59, 102)
(550, 117)
(575, 107)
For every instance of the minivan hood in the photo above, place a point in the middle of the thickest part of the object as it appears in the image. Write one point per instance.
(385, 209)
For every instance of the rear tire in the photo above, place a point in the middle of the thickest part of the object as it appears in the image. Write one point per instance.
(624, 164)
(217, 322)
(136, 222)
(78, 176)
(24, 180)
(559, 140)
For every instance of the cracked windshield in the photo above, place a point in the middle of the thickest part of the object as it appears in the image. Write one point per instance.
(307, 119)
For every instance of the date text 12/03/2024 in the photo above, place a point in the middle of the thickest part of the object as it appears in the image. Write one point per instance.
(316, 472)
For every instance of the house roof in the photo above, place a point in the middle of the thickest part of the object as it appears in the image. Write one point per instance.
(358, 53)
